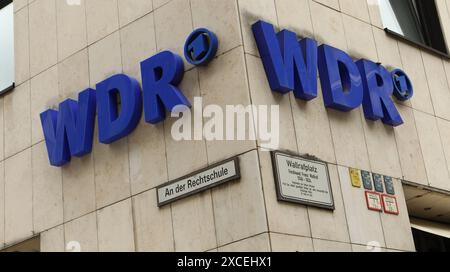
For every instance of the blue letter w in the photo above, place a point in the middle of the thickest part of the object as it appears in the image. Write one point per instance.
(70, 131)
(290, 65)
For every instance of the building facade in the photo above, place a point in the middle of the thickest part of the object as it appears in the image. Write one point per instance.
(107, 200)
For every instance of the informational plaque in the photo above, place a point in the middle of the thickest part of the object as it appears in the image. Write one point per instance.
(389, 185)
(367, 180)
(374, 201)
(355, 176)
(378, 183)
(198, 182)
(303, 181)
(390, 205)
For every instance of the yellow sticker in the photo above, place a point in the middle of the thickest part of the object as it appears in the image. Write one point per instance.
(355, 176)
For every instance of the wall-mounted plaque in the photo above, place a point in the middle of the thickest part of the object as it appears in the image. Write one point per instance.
(198, 182)
(355, 176)
(374, 201)
(367, 180)
(302, 181)
(390, 205)
(389, 185)
(378, 183)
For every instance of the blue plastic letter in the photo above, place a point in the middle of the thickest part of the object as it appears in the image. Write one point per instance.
(341, 81)
(378, 89)
(112, 124)
(69, 132)
(290, 65)
(160, 76)
(403, 88)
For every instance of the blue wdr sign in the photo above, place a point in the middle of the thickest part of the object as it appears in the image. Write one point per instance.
(291, 66)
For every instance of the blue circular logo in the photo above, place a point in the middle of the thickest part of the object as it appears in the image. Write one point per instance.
(403, 89)
(201, 47)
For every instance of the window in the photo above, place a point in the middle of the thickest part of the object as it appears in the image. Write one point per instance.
(427, 242)
(416, 21)
(6, 46)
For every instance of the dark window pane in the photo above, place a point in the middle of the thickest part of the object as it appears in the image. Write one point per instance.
(415, 20)
(427, 242)
(408, 20)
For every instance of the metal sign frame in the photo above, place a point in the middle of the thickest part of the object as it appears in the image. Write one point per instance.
(237, 176)
(277, 180)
